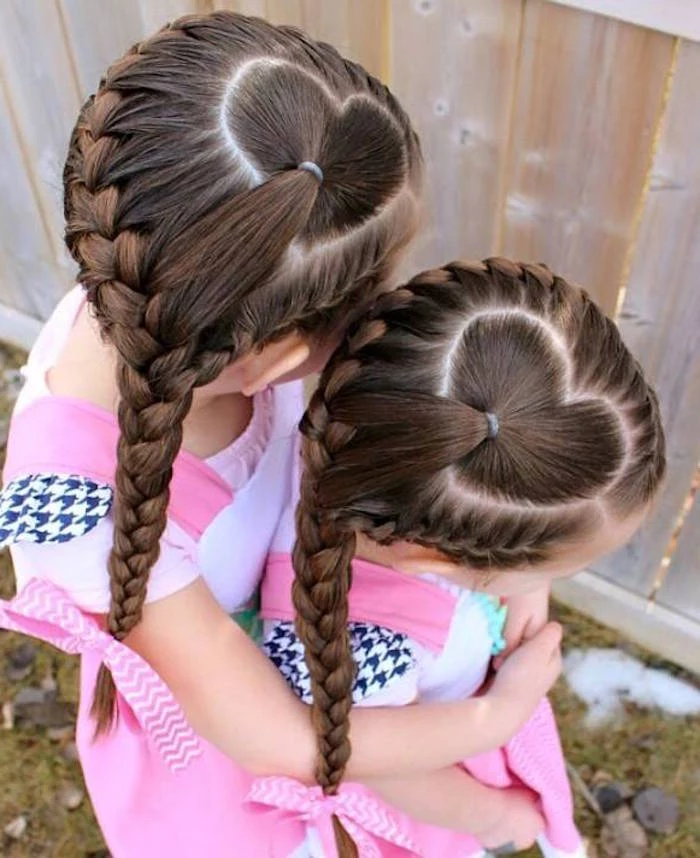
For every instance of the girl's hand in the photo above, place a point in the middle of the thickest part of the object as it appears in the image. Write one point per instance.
(516, 825)
(527, 615)
(524, 678)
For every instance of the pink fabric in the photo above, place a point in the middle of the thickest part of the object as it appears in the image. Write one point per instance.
(378, 595)
(44, 611)
(366, 819)
(83, 440)
(201, 791)
(157, 788)
(532, 758)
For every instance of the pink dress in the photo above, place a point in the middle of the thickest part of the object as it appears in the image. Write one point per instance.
(157, 787)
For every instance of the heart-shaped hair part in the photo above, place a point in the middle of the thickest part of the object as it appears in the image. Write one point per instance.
(277, 115)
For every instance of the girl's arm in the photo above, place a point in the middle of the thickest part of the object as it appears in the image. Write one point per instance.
(236, 699)
(453, 799)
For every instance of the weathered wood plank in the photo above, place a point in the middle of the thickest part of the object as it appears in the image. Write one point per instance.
(660, 318)
(590, 92)
(354, 27)
(17, 328)
(681, 588)
(677, 17)
(156, 14)
(33, 270)
(99, 33)
(453, 66)
(44, 92)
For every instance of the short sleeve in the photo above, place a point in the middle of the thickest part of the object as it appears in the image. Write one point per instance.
(385, 661)
(59, 528)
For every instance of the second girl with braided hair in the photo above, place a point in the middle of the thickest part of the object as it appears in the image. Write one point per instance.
(482, 431)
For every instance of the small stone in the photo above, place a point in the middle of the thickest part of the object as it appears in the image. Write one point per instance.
(71, 797)
(600, 777)
(70, 752)
(656, 810)
(611, 796)
(586, 772)
(8, 716)
(20, 662)
(29, 697)
(590, 850)
(622, 836)
(15, 829)
(39, 708)
(60, 734)
(48, 683)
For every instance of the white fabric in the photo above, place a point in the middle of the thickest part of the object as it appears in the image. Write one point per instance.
(453, 674)
(232, 551)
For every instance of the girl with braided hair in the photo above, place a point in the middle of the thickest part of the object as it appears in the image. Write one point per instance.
(482, 431)
(235, 194)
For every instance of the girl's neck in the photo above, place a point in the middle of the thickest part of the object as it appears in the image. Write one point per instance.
(86, 369)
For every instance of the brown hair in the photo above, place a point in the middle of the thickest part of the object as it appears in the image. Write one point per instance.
(198, 238)
(398, 446)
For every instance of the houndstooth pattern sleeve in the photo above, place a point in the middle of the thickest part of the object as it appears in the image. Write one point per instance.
(382, 657)
(51, 508)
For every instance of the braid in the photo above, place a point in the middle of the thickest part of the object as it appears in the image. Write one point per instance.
(322, 558)
(198, 239)
(155, 383)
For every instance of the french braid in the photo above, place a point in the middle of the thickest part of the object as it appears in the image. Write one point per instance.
(397, 445)
(198, 239)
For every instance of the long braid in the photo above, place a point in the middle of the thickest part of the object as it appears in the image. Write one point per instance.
(155, 383)
(322, 558)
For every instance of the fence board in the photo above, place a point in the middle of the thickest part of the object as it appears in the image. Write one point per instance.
(27, 261)
(354, 27)
(453, 66)
(590, 91)
(41, 102)
(681, 588)
(660, 318)
(157, 13)
(677, 17)
(99, 33)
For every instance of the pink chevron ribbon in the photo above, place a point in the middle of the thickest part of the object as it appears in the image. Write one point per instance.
(44, 611)
(362, 816)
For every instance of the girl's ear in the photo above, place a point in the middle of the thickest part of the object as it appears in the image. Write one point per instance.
(276, 360)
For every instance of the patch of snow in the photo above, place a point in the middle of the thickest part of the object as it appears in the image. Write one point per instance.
(604, 678)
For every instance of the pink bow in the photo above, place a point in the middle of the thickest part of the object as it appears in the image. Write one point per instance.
(362, 816)
(44, 611)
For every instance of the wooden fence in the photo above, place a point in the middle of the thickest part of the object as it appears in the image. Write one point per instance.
(564, 132)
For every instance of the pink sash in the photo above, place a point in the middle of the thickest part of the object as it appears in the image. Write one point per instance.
(69, 436)
(380, 596)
